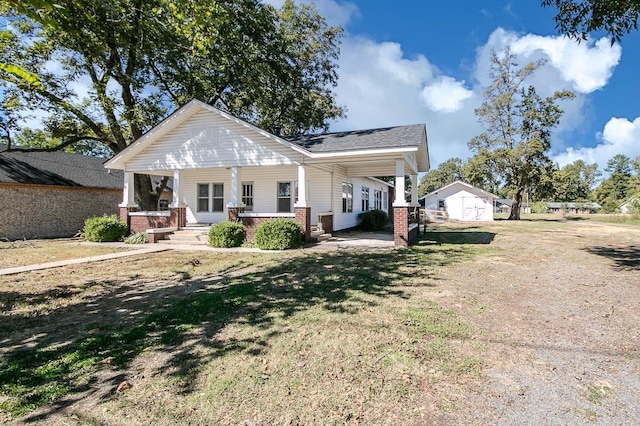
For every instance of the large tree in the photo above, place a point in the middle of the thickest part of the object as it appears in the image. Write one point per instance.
(578, 18)
(446, 173)
(574, 181)
(106, 72)
(518, 124)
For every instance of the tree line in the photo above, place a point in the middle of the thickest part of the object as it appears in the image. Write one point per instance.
(575, 182)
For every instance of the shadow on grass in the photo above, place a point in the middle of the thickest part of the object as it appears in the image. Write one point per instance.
(625, 258)
(190, 315)
(459, 237)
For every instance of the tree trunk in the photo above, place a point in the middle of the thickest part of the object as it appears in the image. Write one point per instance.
(515, 206)
(147, 196)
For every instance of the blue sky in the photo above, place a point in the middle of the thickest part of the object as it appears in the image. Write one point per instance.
(412, 61)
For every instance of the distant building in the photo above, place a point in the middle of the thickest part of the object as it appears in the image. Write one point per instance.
(575, 208)
(50, 194)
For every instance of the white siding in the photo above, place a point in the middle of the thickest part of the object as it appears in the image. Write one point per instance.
(462, 205)
(349, 220)
(208, 140)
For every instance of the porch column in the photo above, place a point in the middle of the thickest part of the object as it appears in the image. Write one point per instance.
(177, 200)
(303, 199)
(236, 188)
(301, 207)
(414, 190)
(400, 200)
(128, 193)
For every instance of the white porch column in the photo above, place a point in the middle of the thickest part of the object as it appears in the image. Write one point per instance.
(400, 200)
(128, 193)
(414, 190)
(177, 200)
(236, 195)
(302, 187)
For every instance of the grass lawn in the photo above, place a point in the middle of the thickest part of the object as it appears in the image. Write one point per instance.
(29, 252)
(286, 337)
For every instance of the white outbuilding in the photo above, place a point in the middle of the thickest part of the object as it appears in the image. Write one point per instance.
(462, 202)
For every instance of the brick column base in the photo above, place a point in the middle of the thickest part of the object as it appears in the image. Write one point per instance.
(178, 216)
(401, 226)
(124, 215)
(303, 216)
(234, 212)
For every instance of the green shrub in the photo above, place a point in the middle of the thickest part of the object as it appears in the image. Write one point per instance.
(278, 234)
(137, 238)
(227, 234)
(104, 228)
(373, 220)
(539, 207)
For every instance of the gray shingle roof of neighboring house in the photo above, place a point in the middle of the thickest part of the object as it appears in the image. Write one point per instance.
(585, 205)
(509, 202)
(56, 168)
(386, 137)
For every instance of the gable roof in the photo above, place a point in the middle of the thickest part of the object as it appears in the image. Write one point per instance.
(474, 190)
(56, 168)
(386, 137)
(390, 139)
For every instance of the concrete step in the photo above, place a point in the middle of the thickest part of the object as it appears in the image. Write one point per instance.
(183, 236)
(323, 237)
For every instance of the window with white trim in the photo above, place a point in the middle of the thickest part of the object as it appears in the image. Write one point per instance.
(247, 196)
(218, 197)
(365, 198)
(385, 200)
(210, 197)
(203, 197)
(377, 199)
(347, 198)
(284, 197)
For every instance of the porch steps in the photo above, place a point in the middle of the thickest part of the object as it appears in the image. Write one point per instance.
(192, 235)
(319, 235)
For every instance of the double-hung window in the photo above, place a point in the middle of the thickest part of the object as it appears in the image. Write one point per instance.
(203, 197)
(385, 200)
(347, 198)
(377, 199)
(247, 196)
(365, 199)
(284, 197)
(210, 197)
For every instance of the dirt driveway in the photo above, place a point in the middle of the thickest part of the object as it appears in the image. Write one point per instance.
(558, 310)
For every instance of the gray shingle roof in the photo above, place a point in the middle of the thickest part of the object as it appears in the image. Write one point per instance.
(386, 137)
(56, 168)
(586, 205)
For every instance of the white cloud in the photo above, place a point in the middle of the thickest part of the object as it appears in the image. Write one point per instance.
(619, 136)
(583, 67)
(446, 95)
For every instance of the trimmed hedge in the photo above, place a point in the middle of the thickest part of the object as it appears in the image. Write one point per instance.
(373, 220)
(278, 234)
(104, 228)
(227, 234)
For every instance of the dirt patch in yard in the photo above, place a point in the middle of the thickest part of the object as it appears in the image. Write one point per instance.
(506, 323)
(557, 308)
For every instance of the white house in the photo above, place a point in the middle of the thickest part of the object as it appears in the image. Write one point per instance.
(223, 167)
(462, 202)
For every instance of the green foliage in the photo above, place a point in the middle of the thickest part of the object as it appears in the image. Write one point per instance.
(518, 124)
(278, 234)
(265, 65)
(574, 181)
(446, 173)
(373, 220)
(227, 234)
(578, 18)
(104, 228)
(137, 238)
(539, 207)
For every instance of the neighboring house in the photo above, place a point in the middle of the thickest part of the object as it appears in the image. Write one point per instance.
(573, 208)
(223, 167)
(629, 205)
(503, 205)
(462, 202)
(50, 194)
